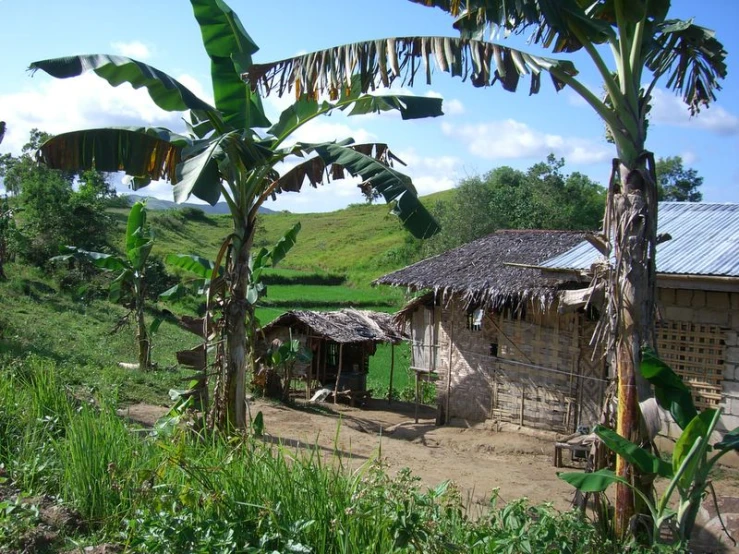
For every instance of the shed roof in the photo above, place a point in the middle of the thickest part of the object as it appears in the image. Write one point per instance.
(477, 270)
(344, 326)
(705, 242)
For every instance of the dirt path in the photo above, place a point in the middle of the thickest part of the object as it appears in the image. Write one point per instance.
(476, 459)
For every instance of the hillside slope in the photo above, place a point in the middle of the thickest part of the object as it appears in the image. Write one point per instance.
(359, 241)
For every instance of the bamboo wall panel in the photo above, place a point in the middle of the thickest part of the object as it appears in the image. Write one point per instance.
(544, 396)
(696, 352)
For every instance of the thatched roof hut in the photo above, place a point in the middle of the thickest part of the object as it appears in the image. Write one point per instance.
(341, 344)
(344, 326)
(477, 271)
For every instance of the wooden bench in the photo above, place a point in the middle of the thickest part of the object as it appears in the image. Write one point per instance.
(579, 445)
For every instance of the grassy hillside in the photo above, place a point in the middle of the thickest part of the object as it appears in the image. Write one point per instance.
(331, 267)
(358, 241)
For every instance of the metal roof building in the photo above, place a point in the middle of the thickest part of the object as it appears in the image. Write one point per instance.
(705, 242)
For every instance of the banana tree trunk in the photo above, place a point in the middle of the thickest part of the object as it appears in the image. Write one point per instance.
(142, 335)
(633, 223)
(239, 352)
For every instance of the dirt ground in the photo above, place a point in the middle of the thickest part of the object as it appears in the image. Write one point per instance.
(477, 458)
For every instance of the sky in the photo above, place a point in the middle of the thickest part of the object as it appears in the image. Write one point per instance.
(481, 129)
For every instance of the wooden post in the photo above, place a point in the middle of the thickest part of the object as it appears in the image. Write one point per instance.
(338, 373)
(523, 397)
(416, 414)
(392, 370)
(449, 371)
(308, 376)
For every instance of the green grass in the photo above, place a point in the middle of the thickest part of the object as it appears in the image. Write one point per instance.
(37, 319)
(208, 492)
(310, 296)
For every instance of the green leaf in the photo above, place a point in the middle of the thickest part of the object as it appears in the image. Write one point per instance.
(670, 391)
(154, 327)
(410, 107)
(698, 429)
(258, 424)
(166, 92)
(194, 264)
(644, 460)
(230, 49)
(175, 293)
(729, 442)
(116, 287)
(138, 239)
(369, 161)
(98, 259)
(144, 152)
(199, 174)
(284, 245)
(598, 481)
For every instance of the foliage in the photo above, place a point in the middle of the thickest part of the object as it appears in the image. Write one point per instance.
(8, 234)
(676, 183)
(690, 468)
(209, 493)
(543, 197)
(130, 283)
(54, 214)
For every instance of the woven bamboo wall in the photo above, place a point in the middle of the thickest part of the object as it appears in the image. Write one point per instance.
(544, 396)
(538, 378)
(696, 351)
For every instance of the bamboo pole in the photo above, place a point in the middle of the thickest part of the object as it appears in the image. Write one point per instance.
(392, 370)
(338, 373)
(449, 371)
(416, 413)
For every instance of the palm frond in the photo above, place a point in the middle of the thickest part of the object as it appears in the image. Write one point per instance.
(373, 163)
(166, 92)
(150, 152)
(553, 24)
(691, 57)
(383, 62)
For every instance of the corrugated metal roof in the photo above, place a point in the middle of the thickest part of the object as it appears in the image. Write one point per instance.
(705, 241)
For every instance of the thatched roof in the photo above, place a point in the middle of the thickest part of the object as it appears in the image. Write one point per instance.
(345, 326)
(478, 272)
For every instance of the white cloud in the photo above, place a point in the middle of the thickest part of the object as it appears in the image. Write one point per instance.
(668, 109)
(134, 49)
(430, 174)
(321, 130)
(511, 139)
(689, 157)
(453, 107)
(62, 105)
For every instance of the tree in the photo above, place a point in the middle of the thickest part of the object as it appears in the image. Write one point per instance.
(645, 47)
(676, 183)
(131, 281)
(54, 213)
(542, 197)
(224, 154)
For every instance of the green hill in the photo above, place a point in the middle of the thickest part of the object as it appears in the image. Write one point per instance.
(51, 315)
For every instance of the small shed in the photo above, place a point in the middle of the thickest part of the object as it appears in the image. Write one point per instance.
(341, 344)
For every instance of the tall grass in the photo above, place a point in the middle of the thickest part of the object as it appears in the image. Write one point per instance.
(210, 492)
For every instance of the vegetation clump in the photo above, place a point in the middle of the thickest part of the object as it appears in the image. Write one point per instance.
(206, 492)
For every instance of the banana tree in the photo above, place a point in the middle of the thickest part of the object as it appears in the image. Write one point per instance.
(693, 458)
(645, 48)
(208, 282)
(132, 268)
(232, 150)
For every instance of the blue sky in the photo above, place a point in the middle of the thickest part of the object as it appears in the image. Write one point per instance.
(482, 128)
